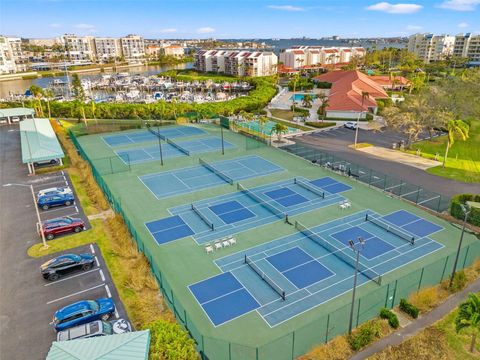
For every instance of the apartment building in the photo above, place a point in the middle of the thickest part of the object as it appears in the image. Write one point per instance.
(429, 47)
(318, 56)
(467, 46)
(7, 60)
(79, 48)
(236, 63)
(173, 50)
(133, 47)
(107, 49)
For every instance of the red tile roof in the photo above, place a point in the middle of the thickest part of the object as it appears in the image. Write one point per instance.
(330, 51)
(347, 88)
(346, 50)
(298, 52)
(314, 52)
(385, 80)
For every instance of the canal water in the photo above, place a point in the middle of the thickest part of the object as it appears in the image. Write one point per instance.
(20, 86)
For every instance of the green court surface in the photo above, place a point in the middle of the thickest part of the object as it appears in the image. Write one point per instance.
(267, 128)
(181, 264)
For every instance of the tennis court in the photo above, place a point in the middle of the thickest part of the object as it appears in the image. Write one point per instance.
(296, 273)
(248, 208)
(267, 128)
(206, 175)
(172, 149)
(146, 136)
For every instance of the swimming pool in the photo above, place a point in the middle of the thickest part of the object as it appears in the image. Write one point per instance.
(267, 127)
(299, 97)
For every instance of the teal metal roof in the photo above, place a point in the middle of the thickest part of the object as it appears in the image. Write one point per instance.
(127, 346)
(16, 112)
(39, 141)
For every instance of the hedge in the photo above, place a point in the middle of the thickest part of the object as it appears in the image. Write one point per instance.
(324, 85)
(390, 316)
(364, 335)
(457, 212)
(320, 125)
(408, 308)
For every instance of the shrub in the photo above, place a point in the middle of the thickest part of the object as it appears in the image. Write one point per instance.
(169, 341)
(390, 316)
(428, 298)
(457, 212)
(336, 349)
(324, 85)
(364, 335)
(408, 308)
(320, 125)
(459, 281)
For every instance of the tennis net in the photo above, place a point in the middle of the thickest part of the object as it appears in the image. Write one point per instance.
(216, 171)
(182, 149)
(392, 229)
(203, 217)
(262, 202)
(309, 187)
(265, 277)
(339, 253)
(156, 133)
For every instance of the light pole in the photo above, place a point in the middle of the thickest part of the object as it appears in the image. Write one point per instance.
(365, 95)
(356, 247)
(45, 246)
(466, 211)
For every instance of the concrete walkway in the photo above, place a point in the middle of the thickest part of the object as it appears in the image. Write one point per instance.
(418, 325)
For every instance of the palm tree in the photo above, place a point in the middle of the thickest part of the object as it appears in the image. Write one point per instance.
(262, 120)
(365, 95)
(37, 92)
(307, 101)
(279, 129)
(49, 95)
(324, 102)
(455, 127)
(468, 317)
(295, 80)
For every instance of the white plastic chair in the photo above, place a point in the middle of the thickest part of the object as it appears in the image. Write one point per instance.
(209, 249)
(225, 243)
(232, 241)
(218, 245)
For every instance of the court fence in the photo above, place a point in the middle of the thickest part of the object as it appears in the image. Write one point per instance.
(375, 179)
(320, 330)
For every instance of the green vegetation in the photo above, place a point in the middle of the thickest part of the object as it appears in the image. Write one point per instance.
(170, 60)
(169, 341)
(457, 212)
(300, 84)
(364, 335)
(390, 316)
(408, 308)
(320, 125)
(286, 114)
(468, 318)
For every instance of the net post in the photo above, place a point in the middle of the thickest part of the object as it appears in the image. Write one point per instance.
(323, 195)
(245, 258)
(366, 217)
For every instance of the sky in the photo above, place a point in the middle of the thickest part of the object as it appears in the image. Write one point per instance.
(237, 18)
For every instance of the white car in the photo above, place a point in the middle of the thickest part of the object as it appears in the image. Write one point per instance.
(350, 125)
(55, 191)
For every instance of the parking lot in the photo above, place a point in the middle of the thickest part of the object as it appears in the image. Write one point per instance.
(27, 301)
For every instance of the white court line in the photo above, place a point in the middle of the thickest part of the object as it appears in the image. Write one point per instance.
(76, 293)
(71, 277)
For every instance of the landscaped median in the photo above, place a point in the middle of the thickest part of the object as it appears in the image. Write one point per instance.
(130, 270)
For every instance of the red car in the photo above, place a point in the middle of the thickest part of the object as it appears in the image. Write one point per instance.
(54, 227)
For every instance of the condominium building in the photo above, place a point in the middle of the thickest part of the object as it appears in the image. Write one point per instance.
(429, 47)
(133, 47)
(107, 49)
(236, 63)
(174, 50)
(467, 46)
(7, 60)
(79, 48)
(318, 56)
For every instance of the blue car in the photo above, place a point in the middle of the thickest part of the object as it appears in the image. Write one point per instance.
(83, 312)
(47, 201)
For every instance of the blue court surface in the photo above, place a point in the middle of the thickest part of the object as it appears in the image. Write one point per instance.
(243, 210)
(312, 267)
(151, 153)
(168, 229)
(146, 136)
(185, 180)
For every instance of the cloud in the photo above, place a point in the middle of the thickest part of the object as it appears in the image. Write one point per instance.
(286, 7)
(84, 26)
(395, 8)
(414, 27)
(460, 5)
(205, 30)
(462, 24)
(55, 25)
(168, 31)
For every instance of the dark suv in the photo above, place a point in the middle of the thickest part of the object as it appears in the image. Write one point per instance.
(58, 226)
(64, 264)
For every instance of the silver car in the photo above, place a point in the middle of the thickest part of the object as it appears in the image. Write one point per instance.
(94, 329)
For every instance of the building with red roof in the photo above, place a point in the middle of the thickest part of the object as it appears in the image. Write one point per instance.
(391, 82)
(348, 89)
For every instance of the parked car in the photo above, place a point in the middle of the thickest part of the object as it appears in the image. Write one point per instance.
(350, 125)
(64, 264)
(55, 190)
(50, 162)
(83, 312)
(54, 227)
(94, 329)
(47, 201)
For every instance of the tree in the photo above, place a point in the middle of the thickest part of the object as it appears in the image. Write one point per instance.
(295, 80)
(37, 93)
(455, 128)
(307, 101)
(365, 95)
(49, 95)
(279, 129)
(262, 120)
(468, 318)
(77, 88)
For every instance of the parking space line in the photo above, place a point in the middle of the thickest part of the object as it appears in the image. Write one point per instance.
(76, 293)
(74, 276)
(116, 314)
(59, 181)
(92, 248)
(76, 208)
(58, 208)
(101, 275)
(108, 291)
(97, 262)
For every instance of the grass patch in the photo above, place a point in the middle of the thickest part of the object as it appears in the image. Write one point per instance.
(285, 114)
(360, 145)
(463, 162)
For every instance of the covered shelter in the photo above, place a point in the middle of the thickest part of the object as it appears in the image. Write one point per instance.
(10, 115)
(127, 346)
(39, 143)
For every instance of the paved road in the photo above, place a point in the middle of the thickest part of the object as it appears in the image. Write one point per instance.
(337, 143)
(27, 302)
(418, 325)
